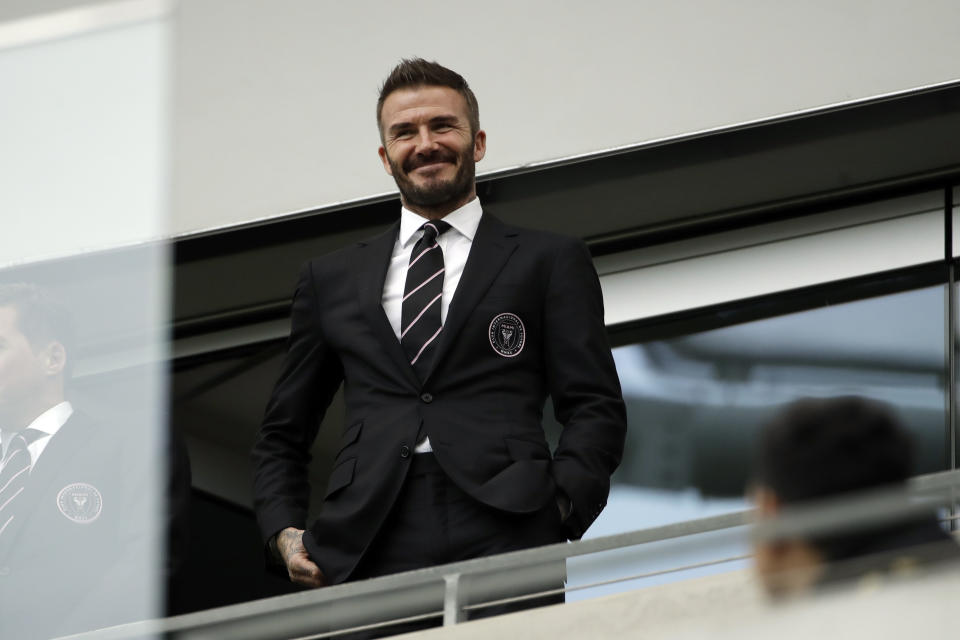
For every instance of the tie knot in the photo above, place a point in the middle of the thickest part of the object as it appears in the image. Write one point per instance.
(25, 438)
(433, 229)
(21, 441)
(29, 435)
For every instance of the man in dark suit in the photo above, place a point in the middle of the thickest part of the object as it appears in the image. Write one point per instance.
(77, 551)
(448, 332)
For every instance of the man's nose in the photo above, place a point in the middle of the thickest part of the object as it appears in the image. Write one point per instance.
(426, 142)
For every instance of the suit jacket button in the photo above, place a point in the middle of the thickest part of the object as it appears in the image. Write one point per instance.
(426, 397)
(404, 451)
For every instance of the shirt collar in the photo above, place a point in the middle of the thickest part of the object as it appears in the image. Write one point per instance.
(465, 220)
(48, 422)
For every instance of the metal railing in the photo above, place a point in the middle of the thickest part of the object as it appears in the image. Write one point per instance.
(450, 591)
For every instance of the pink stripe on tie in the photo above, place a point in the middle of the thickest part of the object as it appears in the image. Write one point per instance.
(414, 261)
(429, 304)
(421, 286)
(432, 338)
(9, 520)
(11, 457)
(11, 498)
(14, 477)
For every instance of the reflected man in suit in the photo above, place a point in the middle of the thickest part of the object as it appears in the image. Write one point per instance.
(448, 332)
(75, 543)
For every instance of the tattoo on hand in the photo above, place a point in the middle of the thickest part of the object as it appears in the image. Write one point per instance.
(290, 541)
(300, 567)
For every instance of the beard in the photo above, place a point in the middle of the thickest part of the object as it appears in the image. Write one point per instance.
(435, 191)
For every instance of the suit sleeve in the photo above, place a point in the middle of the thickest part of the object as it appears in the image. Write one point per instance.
(584, 386)
(310, 375)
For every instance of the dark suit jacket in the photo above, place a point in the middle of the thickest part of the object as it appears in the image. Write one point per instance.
(78, 554)
(482, 410)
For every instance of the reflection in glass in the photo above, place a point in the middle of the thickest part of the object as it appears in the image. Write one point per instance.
(83, 343)
(79, 501)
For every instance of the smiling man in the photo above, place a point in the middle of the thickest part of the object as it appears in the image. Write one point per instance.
(448, 331)
(434, 171)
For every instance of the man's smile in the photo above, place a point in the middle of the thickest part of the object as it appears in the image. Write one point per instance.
(429, 165)
(432, 167)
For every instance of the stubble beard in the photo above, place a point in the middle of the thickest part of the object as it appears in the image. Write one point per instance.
(435, 193)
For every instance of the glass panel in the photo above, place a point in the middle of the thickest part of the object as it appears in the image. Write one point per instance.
(956, 222)
(83, 321)
(695, 405)
(954, 437)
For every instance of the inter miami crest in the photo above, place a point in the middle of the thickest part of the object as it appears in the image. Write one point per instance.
(507, 335)
(80, 502)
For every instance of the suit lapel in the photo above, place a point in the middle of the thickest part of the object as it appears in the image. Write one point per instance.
(491, 248)
(42, 484)
(374, 261)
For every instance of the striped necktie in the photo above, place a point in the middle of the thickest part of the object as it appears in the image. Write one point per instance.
(420, 315)
(14, 474)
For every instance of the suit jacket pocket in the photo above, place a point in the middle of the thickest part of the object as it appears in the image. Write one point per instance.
(341, 476)
(527, 449)
(350, 435)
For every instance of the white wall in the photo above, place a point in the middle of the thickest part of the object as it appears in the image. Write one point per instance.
(84, 129)
(274, 100)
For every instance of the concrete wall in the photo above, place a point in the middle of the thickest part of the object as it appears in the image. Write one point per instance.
(274, 106)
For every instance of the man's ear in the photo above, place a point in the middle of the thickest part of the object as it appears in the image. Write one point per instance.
(386, 161)
(54, 359)
(479, 145)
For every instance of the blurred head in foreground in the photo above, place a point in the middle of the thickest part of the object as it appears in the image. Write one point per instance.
(822, 448)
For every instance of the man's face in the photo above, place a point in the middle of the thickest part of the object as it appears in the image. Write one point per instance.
(784, 567)
(22, 371)
(428, 146)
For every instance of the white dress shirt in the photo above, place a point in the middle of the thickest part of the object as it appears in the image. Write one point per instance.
(49, 422)
(455, 244)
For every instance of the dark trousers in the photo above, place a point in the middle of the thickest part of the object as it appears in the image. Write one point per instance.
(433, 522)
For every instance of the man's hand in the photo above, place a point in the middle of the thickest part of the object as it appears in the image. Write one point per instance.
(300, 568)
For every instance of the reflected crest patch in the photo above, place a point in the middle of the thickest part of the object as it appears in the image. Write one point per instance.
(80, 502)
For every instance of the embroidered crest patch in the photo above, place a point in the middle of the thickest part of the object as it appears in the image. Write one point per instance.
(507, 335)
(80, 502)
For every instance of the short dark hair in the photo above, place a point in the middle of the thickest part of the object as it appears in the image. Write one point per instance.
(817, 448)
(40, 317)
(417, 72)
